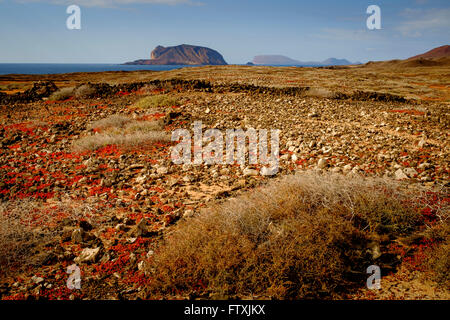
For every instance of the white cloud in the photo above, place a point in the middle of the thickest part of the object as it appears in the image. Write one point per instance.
(419, 21)
(112, 3)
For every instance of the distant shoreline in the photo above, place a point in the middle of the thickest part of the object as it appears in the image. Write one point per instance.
(61, 68)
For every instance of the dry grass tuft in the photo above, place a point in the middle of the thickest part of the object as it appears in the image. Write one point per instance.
(26, 226)
(156, 101)
(126, 141)
(113, 121)
(301, 237)
(62, 94)
(437, 258)
(144, 126)
(122, 131)
(439, 262)
(320, 92)
(85, 91)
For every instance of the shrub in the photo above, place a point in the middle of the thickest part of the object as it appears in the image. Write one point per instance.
(144, 126)
(13, 86)
(300, 237)
(156, 101)
(85, 91)
(438, 256)
(113, 121)
(62, 94)
(439, 263)
(122, 131)
(319, 92)
(149, 89)
(94, 142)
(26, 226)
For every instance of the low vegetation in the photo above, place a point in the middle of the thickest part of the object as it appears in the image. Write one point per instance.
(62, 94)
(436, 258)
(27, 227)
(306, 236)
(113, 121)
(85, 91)
(127, 141)
(156, 101)
(319, 92)
(14, 86)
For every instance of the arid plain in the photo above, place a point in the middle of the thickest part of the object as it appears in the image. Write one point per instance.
(86, 178)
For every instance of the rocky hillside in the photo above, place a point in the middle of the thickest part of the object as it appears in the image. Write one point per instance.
(437, 57)
(182, 55)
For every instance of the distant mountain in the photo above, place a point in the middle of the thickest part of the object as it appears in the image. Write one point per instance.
(437, 57)
(439, 52)
(279, 60)
(182, 55)
(336, 62)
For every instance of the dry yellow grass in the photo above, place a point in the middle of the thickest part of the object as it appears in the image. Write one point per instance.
(156, 101)
(26, 226)
(113, 121)
(62, 94)
(84, 91)
(97, 141)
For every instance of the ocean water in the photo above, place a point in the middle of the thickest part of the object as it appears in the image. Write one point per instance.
(54, 68)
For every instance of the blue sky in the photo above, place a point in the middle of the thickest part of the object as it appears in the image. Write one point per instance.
(116, 31)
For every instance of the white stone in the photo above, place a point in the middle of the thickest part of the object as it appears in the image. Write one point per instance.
(37, 280)
(265, 171)
(424, 165)
(322, 163)
(87, 255)
(150, 253)
(347, 168)
(250, 172)
(162, 170)
(422, 143)
(400, 175)
(141, 179)
(141, 265)
(410, 172)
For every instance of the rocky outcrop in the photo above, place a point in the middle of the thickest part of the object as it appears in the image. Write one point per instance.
(40, 89)
(182, 55)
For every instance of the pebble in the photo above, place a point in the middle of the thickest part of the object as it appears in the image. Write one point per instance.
(400, 175)
(88, 255)
(250, 172)
(322, 163)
